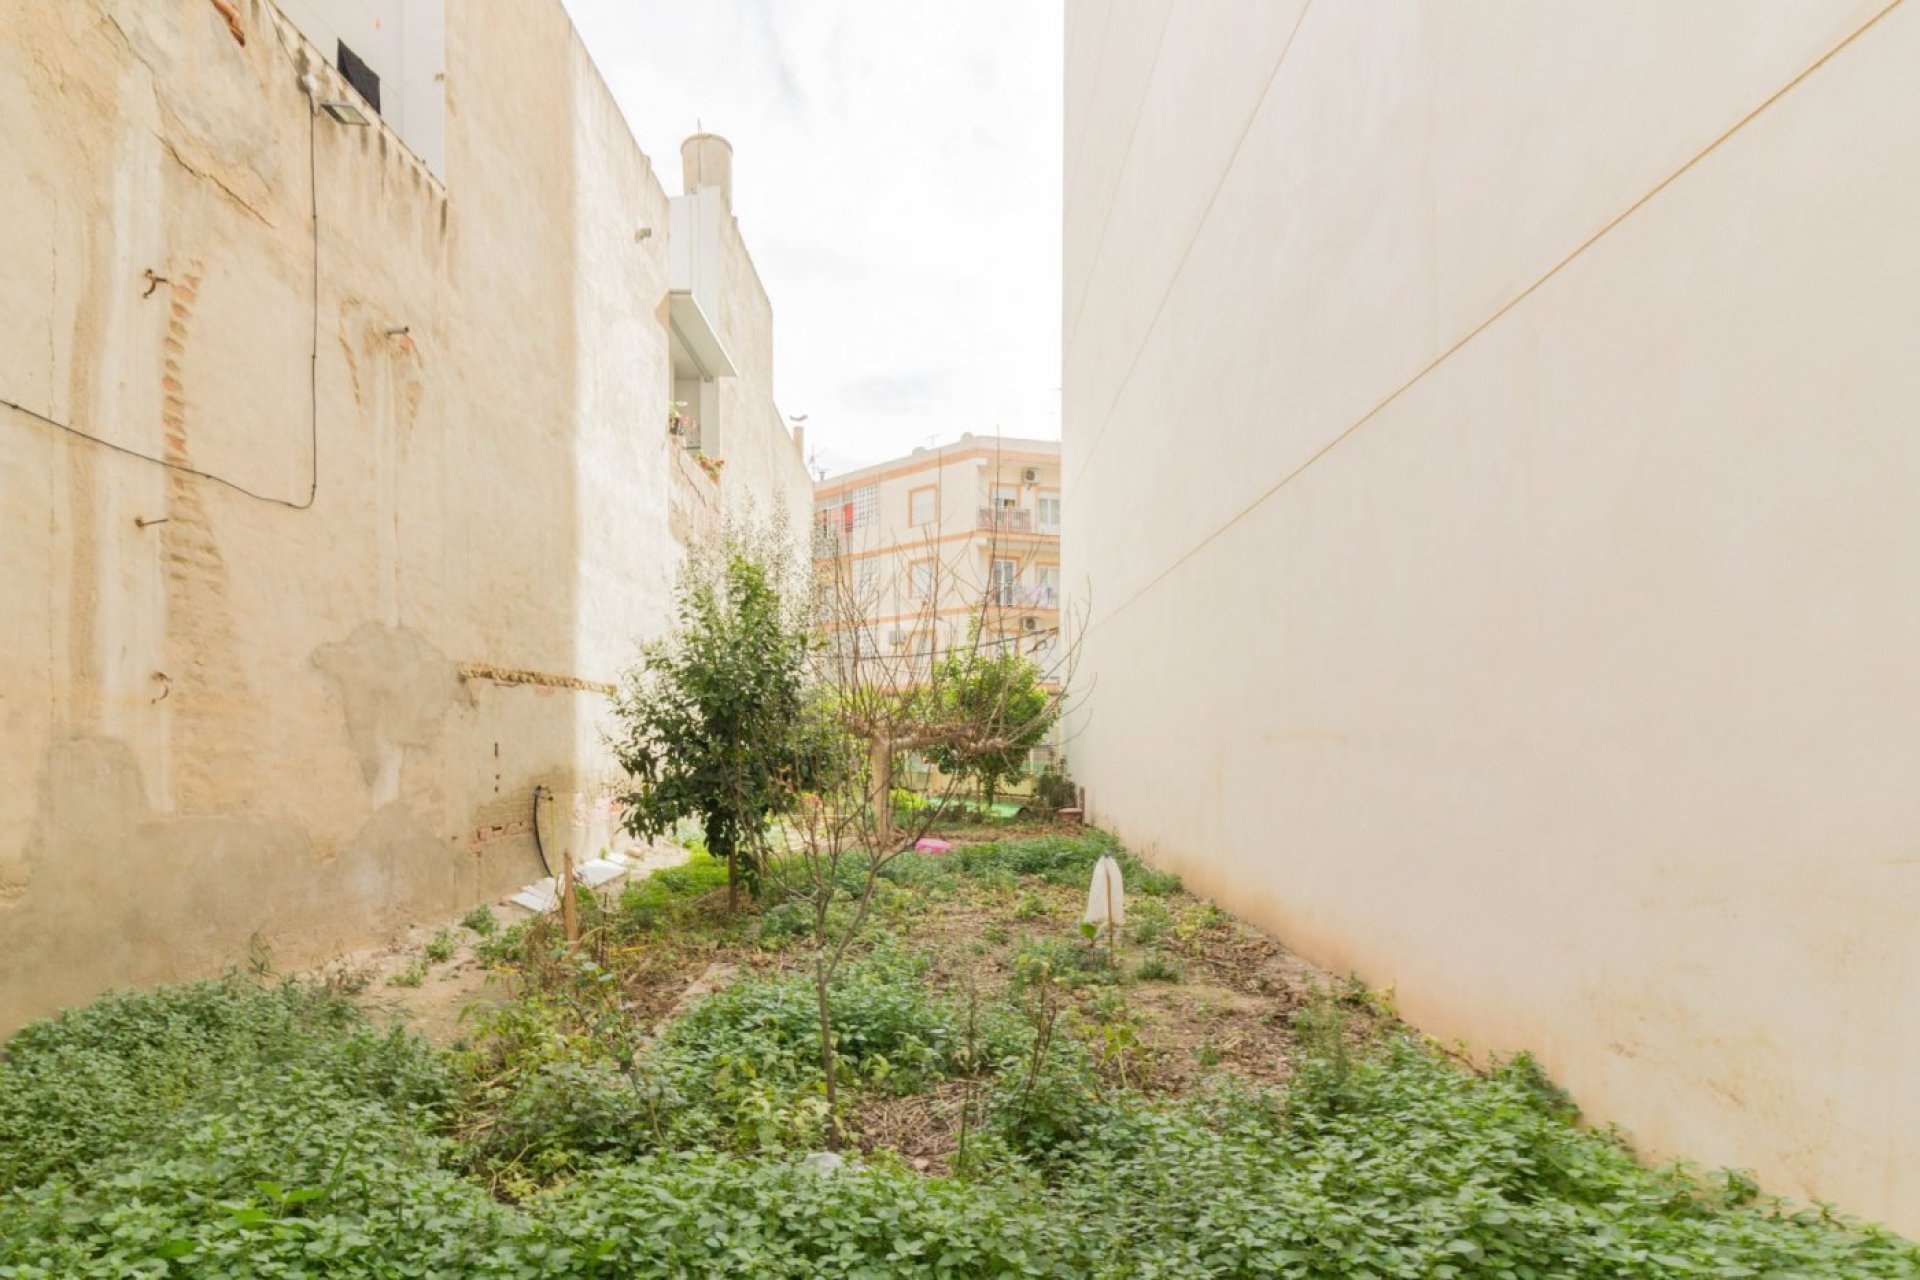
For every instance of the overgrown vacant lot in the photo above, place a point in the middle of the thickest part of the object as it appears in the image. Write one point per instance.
(1015, 1101)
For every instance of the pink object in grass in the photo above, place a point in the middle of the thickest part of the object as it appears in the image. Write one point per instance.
(929, 845)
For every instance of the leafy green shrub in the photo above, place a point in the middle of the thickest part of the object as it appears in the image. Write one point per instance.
(740, 1070)
(1419, 1170)
(414, 974)
(225, 1131)
(785, 923)
(923, 872)
(1145, 880)
(668, 896)
(699, 875)
(908, 806)
(552, 1081)
(96, 1082)
(1148, 920)
(1047, 1096)
(503, 950)
(567, 1111)
(1194, 921)
(1074, 963)
(440, 947)
(274, 1187)
(1053, 789)
(1059, 859)
(481, 921)
(1063, 859)
(717, 1216)
(887, 1026)
(1155, 967)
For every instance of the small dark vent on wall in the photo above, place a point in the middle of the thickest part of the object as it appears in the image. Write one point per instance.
(361, 76)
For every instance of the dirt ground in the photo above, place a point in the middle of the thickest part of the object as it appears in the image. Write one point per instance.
(400, 984)
(1188, 990)
(1227, 1002)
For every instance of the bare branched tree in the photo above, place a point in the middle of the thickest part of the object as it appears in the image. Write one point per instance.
(927, 663)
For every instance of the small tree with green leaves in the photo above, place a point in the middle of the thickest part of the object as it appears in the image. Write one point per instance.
(708, 721)
(993, 711)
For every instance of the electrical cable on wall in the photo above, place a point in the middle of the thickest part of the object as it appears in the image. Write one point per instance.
(540, 793)
(313, 377)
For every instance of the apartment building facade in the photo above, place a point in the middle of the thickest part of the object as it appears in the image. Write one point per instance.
(912, 554)
(347, 357)
(1552, 546)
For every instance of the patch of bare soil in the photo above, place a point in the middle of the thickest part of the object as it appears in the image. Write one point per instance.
(400, 985)
(1186, 994)
(400, 982)
(922, 1129)
(1198, 991)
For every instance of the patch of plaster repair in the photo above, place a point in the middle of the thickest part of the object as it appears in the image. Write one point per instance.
(396, 856)
(394, 687)
(122, 896)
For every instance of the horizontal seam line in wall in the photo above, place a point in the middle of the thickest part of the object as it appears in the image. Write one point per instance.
(1353, 427)
(1273, 77)
(1120, 176)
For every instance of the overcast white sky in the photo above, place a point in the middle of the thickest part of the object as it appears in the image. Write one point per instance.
(897, 177)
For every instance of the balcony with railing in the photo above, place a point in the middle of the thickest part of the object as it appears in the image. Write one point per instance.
(1019, 595)
(1018, 520)
(1006, 519)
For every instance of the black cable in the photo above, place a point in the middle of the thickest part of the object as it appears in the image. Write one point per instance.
(159, 462)
(540, 846)
(313, 377)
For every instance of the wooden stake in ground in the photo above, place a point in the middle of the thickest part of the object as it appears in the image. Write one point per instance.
(569, 909)
(1113, 929)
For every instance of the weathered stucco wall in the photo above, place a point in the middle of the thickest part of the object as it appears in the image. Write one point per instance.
(226, 716)
(1490, 449)
(754, 439)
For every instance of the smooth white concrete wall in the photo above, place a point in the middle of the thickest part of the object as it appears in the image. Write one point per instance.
(1490, 456)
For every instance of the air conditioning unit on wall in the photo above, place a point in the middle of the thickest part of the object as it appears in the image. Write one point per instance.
(1029, 623)
(1030, 476)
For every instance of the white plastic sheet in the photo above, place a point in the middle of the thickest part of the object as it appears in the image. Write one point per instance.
(1106, 897)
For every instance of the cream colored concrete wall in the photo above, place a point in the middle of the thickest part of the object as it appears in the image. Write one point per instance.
(758, 447)
(740, 430)
(1490, 451)
(313, 725)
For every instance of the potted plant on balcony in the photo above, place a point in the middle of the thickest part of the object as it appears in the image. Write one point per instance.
(682, 425)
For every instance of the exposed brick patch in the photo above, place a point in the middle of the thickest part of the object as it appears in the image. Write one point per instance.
(544, 679)
(201, 652)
